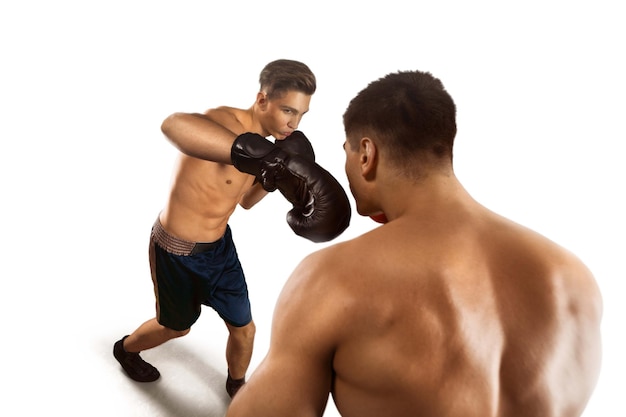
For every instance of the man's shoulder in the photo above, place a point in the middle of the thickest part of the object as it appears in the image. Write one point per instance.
(225, 110)
(230, 117)
(333, 265)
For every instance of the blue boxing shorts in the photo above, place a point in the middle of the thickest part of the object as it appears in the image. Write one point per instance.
(187, 275)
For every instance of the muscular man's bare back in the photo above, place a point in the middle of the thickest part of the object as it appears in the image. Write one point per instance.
(492, 333)
(448, 310)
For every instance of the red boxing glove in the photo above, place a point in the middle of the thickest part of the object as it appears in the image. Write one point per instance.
(379, 218)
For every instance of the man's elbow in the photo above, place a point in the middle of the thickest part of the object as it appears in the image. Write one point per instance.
(169, 123)
(174, 127)
(247, 203)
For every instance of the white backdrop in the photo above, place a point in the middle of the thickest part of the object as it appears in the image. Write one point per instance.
(84, 86)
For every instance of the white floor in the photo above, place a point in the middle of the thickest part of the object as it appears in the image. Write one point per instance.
(193, 374)
(68, 304)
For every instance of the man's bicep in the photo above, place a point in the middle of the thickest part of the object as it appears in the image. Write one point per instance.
(199, 136)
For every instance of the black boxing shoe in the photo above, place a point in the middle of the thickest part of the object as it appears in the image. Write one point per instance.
(135, 367)
(233, 385)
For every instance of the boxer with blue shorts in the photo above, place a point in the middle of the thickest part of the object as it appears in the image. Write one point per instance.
(225, 161)
(187, 275)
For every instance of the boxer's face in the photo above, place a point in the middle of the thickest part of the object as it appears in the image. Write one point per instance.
(282, 115)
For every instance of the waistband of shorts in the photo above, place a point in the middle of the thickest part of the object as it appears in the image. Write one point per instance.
(177, 246)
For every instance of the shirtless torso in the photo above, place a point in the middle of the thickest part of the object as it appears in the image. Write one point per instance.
(206, 188)
(449, 310)
(476, 318)
(204, 194)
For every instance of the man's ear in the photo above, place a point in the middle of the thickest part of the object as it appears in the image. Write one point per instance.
(368, 154)
(262, 100)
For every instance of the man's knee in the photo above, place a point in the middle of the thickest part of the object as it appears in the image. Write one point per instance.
(173, 334)
(243, 333)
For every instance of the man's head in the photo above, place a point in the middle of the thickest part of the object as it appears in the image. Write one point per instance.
(284, 75)
(409, 116)
(286, 87)
(399, 128)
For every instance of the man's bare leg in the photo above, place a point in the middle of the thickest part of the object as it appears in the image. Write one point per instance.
(238, 355)
(150, 334)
